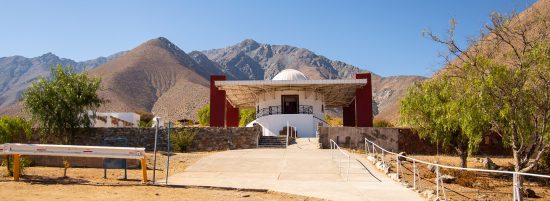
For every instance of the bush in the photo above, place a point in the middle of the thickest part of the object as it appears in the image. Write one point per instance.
(181, 140)
(23, 164)
(543, 165)
(246, 116)
(204, 116)
(382, 123)
(145, 124)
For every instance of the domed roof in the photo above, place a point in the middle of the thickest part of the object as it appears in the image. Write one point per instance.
(290, 74)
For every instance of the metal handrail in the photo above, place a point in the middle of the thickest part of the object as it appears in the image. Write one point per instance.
(334, 146)
(439, 181)
(272, 110)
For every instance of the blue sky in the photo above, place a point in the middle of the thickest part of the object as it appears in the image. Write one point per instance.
(382, 36)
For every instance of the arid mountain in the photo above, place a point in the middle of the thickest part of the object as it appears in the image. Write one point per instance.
(252, 60)
(158, 76)
(17, 72)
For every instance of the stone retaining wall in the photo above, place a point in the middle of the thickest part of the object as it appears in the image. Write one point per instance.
(206, 139)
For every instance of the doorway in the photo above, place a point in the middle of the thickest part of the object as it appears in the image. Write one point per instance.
(289, 104)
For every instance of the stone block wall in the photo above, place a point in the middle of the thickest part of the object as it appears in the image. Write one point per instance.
(206, 138)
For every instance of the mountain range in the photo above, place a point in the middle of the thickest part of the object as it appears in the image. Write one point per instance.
(160, 77)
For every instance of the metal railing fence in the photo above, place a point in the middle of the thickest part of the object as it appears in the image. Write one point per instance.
(370, 148)
(340, 154)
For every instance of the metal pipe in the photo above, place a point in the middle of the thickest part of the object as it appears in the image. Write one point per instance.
(155, 150)
(349, 165)
(437, 181)
(414, 175)
(287, 131)
(168, 153)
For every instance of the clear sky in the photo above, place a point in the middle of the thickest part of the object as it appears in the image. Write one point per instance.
(382, 36)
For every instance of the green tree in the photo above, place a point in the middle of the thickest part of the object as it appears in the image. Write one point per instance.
(507, 71)
(14, 129)
(204, 115)
(435, 110)
(61, 104)
(246, 116)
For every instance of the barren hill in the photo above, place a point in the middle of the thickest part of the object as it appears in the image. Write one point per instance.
(155, 76)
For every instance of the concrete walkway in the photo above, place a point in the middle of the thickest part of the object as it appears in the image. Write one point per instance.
(302, 170)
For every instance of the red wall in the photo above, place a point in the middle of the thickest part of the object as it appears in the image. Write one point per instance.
(217, 103)
(231, 115)
(363, 102)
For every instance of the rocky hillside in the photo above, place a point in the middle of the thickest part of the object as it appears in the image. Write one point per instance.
(252, 60)
(158, 76)
(17, 72)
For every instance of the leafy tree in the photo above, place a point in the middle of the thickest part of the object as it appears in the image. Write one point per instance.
(61, 104)
(204, 115)
(436, 111)
(511, 85)
(246, 116)
(14, 129)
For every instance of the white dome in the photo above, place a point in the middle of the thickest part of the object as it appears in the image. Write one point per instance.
(290, 74)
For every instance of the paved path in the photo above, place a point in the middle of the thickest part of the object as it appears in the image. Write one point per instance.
(303, 171)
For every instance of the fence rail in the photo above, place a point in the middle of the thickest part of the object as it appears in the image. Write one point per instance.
(341, 154)
(370, 148)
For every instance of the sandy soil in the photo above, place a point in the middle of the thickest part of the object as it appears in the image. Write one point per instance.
(47, 183)
(472, 185)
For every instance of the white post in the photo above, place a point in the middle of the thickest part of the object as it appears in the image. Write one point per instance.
(414, 174)
(287, 132)
(437, 181)
(366, 147)
(397, 167)
(349, 165)
(331, 150)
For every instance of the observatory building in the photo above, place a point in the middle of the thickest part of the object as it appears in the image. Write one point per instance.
(290, 97)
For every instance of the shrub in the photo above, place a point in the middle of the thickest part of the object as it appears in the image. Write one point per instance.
(382, 123)
(181, 140)
(145, 124)
(204, 116)
(23, 164)
(246, 116)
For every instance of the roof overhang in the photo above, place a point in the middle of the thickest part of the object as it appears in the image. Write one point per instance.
(245, 93)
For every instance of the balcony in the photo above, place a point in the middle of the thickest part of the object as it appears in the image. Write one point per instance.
(271, 110)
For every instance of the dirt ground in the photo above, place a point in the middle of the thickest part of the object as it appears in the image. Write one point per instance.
(47, 183)
(471, 185)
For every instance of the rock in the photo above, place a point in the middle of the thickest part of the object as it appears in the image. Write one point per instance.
(479, 160)
(246, 195)
(428, 193)
(447, 178)
(432, 168)
(489, 164)
(402, 158)
(394, 176)
(371, 158)
(530, 193)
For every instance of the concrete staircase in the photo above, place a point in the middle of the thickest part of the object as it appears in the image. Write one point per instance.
(272, 142)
